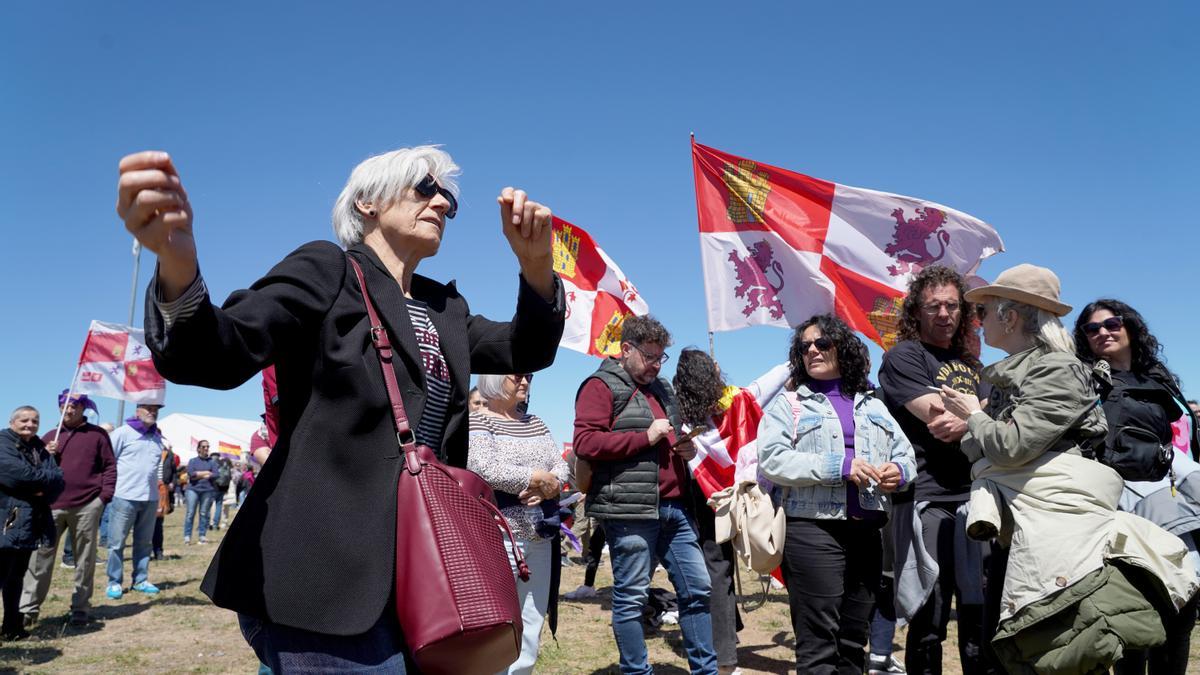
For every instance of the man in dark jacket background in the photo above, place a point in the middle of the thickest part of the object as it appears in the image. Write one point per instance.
(625, 426)
(29, 482)
(83, 452)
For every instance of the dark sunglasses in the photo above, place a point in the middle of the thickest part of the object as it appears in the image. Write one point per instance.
(428, 187)
(981, 311)
(528, 377)
(1111, 324)
(823, 344)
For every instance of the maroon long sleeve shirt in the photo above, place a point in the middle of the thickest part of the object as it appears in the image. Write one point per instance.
(595, 441)
(89, 468)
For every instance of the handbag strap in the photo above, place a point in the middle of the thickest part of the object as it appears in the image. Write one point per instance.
(383, 349)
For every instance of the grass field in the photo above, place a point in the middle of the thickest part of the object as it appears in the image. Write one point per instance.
(179, 630)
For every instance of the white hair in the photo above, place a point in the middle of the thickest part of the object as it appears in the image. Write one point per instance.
(23, 409)
(1045, 328)
(490, 386)
(383, 180)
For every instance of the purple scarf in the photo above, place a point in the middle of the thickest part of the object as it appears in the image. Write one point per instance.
(140, 427)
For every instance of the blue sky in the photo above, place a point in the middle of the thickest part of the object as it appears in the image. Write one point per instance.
(1069, 127)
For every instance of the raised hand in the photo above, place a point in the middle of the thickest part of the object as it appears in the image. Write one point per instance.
(152, 202)
(528, 227)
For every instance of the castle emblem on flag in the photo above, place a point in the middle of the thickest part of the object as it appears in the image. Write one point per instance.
(885, 317)
(748, 190)
(566, 251)
(608, 342)
(908, 247)
(753, 283)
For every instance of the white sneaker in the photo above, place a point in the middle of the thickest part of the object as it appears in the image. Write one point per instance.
(670, 618)
(581, 593)
(884, 665)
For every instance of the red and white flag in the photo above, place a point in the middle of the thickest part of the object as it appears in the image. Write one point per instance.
(778, 247)
(115, 362)
(728, 452)
(599, 297)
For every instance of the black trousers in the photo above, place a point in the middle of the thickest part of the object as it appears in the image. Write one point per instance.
(156, 541)
(719, 559)
(832, 569)
(927, 631)
(592, 555)
(13, 564)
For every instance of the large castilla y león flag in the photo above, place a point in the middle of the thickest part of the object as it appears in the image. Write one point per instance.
(599, 297)
(115, 362)
(778, 246)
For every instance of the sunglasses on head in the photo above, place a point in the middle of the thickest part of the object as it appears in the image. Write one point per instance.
(428, 187)
(1111, 324)
(823, 344)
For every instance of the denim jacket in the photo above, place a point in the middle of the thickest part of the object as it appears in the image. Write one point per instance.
(801, 451)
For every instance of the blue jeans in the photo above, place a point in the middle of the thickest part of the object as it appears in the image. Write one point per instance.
(136, 516)
(634, 545)
(284, 649)
(204, 501)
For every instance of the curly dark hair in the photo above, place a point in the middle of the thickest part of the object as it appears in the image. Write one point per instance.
(698, 386)
(851, 354)
(910, 315)
(1147, 353)
(640, 330)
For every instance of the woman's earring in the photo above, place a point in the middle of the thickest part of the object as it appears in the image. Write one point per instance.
(1008, 329)
(371, 213)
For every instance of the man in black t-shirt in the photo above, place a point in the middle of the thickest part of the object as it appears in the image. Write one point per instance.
(936, 328)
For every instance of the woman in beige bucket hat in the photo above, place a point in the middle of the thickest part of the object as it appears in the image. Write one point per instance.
(1053, 509)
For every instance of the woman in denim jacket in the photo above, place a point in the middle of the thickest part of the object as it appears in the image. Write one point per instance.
(835, 455)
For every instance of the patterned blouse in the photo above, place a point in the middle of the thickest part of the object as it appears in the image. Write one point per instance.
(506, 453)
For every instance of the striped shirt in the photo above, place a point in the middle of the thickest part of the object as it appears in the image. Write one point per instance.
(437, 377)
(505, 453)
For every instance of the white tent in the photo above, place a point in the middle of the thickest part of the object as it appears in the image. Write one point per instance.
(184, 430)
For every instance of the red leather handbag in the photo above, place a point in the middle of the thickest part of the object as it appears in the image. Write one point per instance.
(455, 594)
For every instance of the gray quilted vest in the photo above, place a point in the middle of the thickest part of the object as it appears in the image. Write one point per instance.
(628, 488)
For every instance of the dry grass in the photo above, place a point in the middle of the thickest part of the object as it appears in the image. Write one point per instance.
(180, 631)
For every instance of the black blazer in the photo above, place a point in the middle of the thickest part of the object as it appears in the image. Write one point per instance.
(313, 546)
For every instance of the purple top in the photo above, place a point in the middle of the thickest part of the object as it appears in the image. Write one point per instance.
(844, 407)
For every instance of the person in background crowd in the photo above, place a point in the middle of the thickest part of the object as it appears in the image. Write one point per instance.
(168, 467)
(104, 517)
(307, 318)
(515, 453)
(138, 447)
(83, 452)
(700, 390)
(626, 423)
(30, 481)
(933, 352)
(200, 492)
(1139, 391)
(475, 402)
(835, 455)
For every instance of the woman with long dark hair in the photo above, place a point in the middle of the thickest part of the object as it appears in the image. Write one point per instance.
(835, 454)
(1142, 396)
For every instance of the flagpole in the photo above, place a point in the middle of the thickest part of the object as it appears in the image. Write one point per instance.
(711, 352)
(137, 258)
(70, 392)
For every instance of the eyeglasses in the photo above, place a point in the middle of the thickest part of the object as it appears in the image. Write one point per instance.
(650, 358)
(823, 344)
(934, 308)
(981, 311)
(428, 187)
(528, 377)
(1112, 324)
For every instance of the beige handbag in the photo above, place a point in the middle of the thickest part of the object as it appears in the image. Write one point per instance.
(745, 515)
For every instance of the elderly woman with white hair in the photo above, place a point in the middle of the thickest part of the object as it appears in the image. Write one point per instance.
(1081, 580)
(310, 559)
(514, 452)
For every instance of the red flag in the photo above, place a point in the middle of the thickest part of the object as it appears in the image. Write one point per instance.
(115, 362)
(779, 247)
(599, 297)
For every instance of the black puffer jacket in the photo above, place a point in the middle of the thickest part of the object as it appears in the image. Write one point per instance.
(30, 481)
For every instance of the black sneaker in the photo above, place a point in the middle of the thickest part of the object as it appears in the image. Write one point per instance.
(78, 618)
(15, 635)
(29, 620)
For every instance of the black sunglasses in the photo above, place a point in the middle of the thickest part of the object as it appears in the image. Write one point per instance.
(981, 311)
(428, 187)
(823, 344)
(1112, 324)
